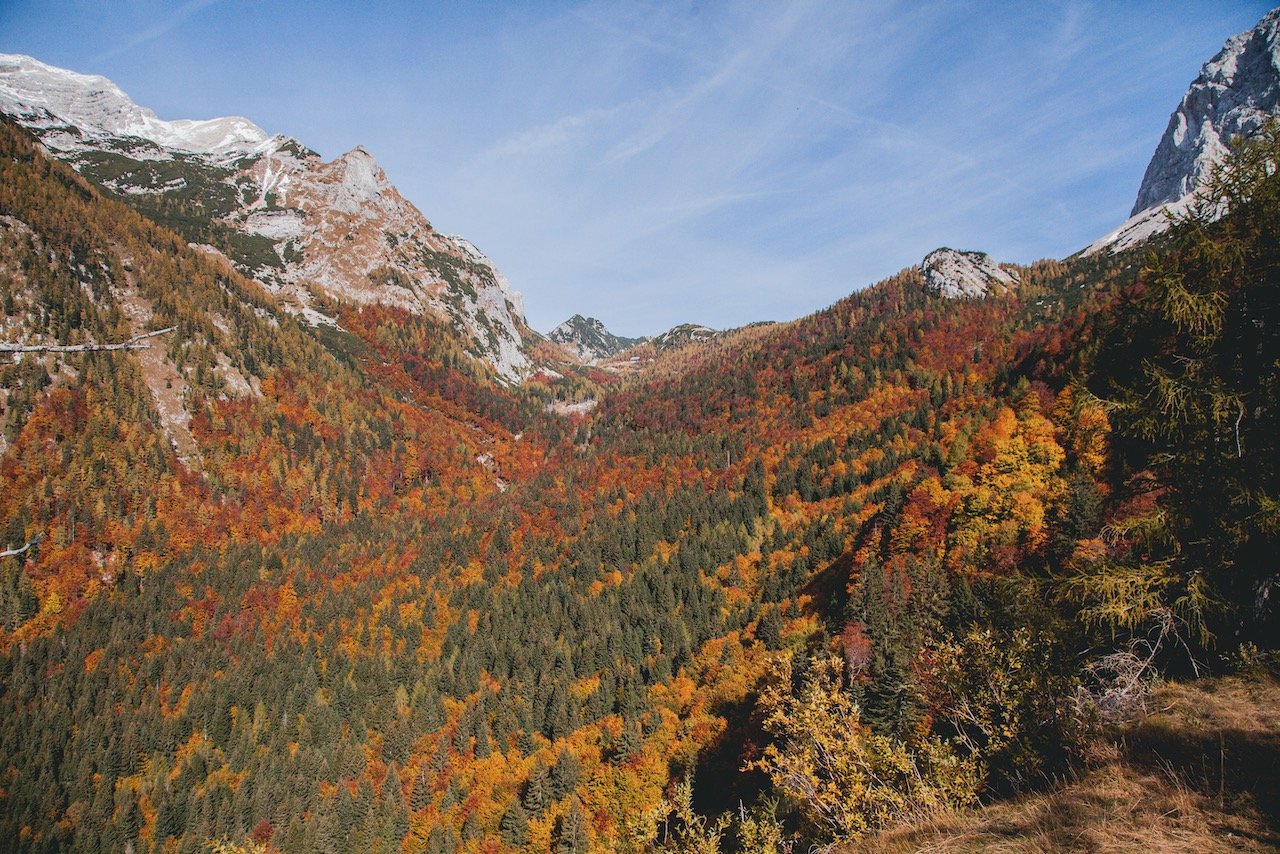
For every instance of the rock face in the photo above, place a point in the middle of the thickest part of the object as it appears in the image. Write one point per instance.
(343, 227)
(683, 335)
(296, 223)
(955, 273)
(588, 341)
(1235, 93)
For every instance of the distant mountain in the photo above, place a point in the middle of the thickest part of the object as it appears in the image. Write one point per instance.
(81, 112)
(1234, 94)
(275, 208)
(589, 341)
(683, 335)
(956, 273)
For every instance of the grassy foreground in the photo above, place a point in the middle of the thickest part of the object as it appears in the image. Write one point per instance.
(1200, 773)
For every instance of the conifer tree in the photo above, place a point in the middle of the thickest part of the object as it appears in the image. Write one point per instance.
(564, 775)
(536, 795)
(1192, 372)
(515, 824)
(571, 832)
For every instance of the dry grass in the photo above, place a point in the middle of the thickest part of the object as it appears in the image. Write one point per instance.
(1201, 774)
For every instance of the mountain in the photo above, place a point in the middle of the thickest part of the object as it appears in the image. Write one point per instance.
(588, 341)
(301, 226)
(955, 273)
(1235, 93)
(306, 577)
(80, 112)
(683, 335)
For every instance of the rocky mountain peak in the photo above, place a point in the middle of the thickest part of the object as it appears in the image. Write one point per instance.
(1234, 94)
(577, 325)
(588, 340)
(958, 273)
(340, 226)
(359, 180)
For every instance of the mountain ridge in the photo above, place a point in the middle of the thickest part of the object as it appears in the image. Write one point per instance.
(1234, 93)
(295, 222)
(41, 95)
(589, 340)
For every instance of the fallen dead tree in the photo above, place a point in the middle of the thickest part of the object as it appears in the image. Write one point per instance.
(137, 342)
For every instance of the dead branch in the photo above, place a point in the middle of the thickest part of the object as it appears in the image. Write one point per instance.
(28, 544)
(134, 343)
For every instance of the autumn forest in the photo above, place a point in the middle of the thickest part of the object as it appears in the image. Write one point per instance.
(781, 589)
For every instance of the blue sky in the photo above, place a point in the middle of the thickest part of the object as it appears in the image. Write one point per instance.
(719, 162)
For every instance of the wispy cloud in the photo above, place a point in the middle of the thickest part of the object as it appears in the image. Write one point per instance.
(155, 31)
(660, 161)
(546, 138)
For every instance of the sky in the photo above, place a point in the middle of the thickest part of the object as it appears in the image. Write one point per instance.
(654, 163)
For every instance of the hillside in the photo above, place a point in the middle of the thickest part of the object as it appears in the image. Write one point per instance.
(380, 593)
(304, 574)
(1196, 775)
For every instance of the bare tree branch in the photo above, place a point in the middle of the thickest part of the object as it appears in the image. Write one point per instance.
(134, 343)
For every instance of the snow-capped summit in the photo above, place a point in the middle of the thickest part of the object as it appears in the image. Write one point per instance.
(42, 95)
(1235, 93)
(957, 273)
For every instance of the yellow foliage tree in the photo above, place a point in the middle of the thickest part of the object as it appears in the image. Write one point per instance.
(844, 778)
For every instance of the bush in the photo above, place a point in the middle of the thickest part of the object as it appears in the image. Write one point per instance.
(843, 778)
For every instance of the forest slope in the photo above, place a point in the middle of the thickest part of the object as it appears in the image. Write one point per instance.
(383, 603)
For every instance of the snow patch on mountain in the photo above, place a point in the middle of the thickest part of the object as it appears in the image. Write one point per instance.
(956, 273)
(315, 318)
(1140, 227)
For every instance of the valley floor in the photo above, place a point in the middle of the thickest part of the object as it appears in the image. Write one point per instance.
(1199, 774)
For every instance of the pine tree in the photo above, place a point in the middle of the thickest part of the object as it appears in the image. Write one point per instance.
(571, 832)
(535, 799)
(420, 795)
(515, 824)
(564, 776)
(1192, 370)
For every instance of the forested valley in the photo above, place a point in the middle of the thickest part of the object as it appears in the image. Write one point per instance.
(908, 554)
